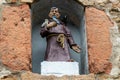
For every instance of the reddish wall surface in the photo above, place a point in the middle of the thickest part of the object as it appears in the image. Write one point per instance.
(15, 37)
(99, 44)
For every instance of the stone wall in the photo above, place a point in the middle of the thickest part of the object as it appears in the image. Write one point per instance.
(115, 57)
(15, 39)
(112, 10)
(111, 7)
(33, 76)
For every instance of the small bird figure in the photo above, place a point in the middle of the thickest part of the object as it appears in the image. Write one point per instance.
(45, 23)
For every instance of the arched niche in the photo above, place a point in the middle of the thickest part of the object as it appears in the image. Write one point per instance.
(76, 23)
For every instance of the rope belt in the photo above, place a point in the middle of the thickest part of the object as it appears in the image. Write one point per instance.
(60, 38)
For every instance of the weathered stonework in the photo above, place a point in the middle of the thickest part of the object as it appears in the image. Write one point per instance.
(112, 9)
(16, 1)
(99, 44)
(115, 58)
(31, 76)
(28, 1)
(109, 6)
(15, 37)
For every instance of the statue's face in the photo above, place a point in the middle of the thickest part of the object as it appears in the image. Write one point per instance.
(54, 12)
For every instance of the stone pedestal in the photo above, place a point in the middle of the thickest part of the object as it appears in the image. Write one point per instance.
(59, 68)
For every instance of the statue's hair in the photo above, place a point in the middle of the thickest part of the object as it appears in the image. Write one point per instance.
(54, 8)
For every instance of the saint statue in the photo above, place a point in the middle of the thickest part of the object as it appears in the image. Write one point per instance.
(58, 38)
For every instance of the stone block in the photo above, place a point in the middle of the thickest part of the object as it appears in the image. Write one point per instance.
(27, 1)
(33, 76)
(59, 68)
(11, 1)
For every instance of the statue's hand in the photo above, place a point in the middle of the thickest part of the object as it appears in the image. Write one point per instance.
(76, 48)
(51, 24)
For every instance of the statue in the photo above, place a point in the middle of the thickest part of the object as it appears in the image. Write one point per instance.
(58, 38)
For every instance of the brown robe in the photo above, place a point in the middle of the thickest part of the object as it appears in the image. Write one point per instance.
(54, 52)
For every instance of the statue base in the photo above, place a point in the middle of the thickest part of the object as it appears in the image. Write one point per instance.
(59, 68)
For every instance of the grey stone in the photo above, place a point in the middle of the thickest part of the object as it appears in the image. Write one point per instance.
(4, 73)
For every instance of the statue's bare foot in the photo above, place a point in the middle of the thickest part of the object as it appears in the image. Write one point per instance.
(71, 60)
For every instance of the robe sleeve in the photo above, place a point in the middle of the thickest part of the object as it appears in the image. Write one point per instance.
(69, 37)
(44, 32)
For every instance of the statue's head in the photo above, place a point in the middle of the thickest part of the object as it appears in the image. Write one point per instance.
(54, 12)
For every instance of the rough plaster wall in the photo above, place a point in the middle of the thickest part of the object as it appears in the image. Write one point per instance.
(99, 44)
(15, 38)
